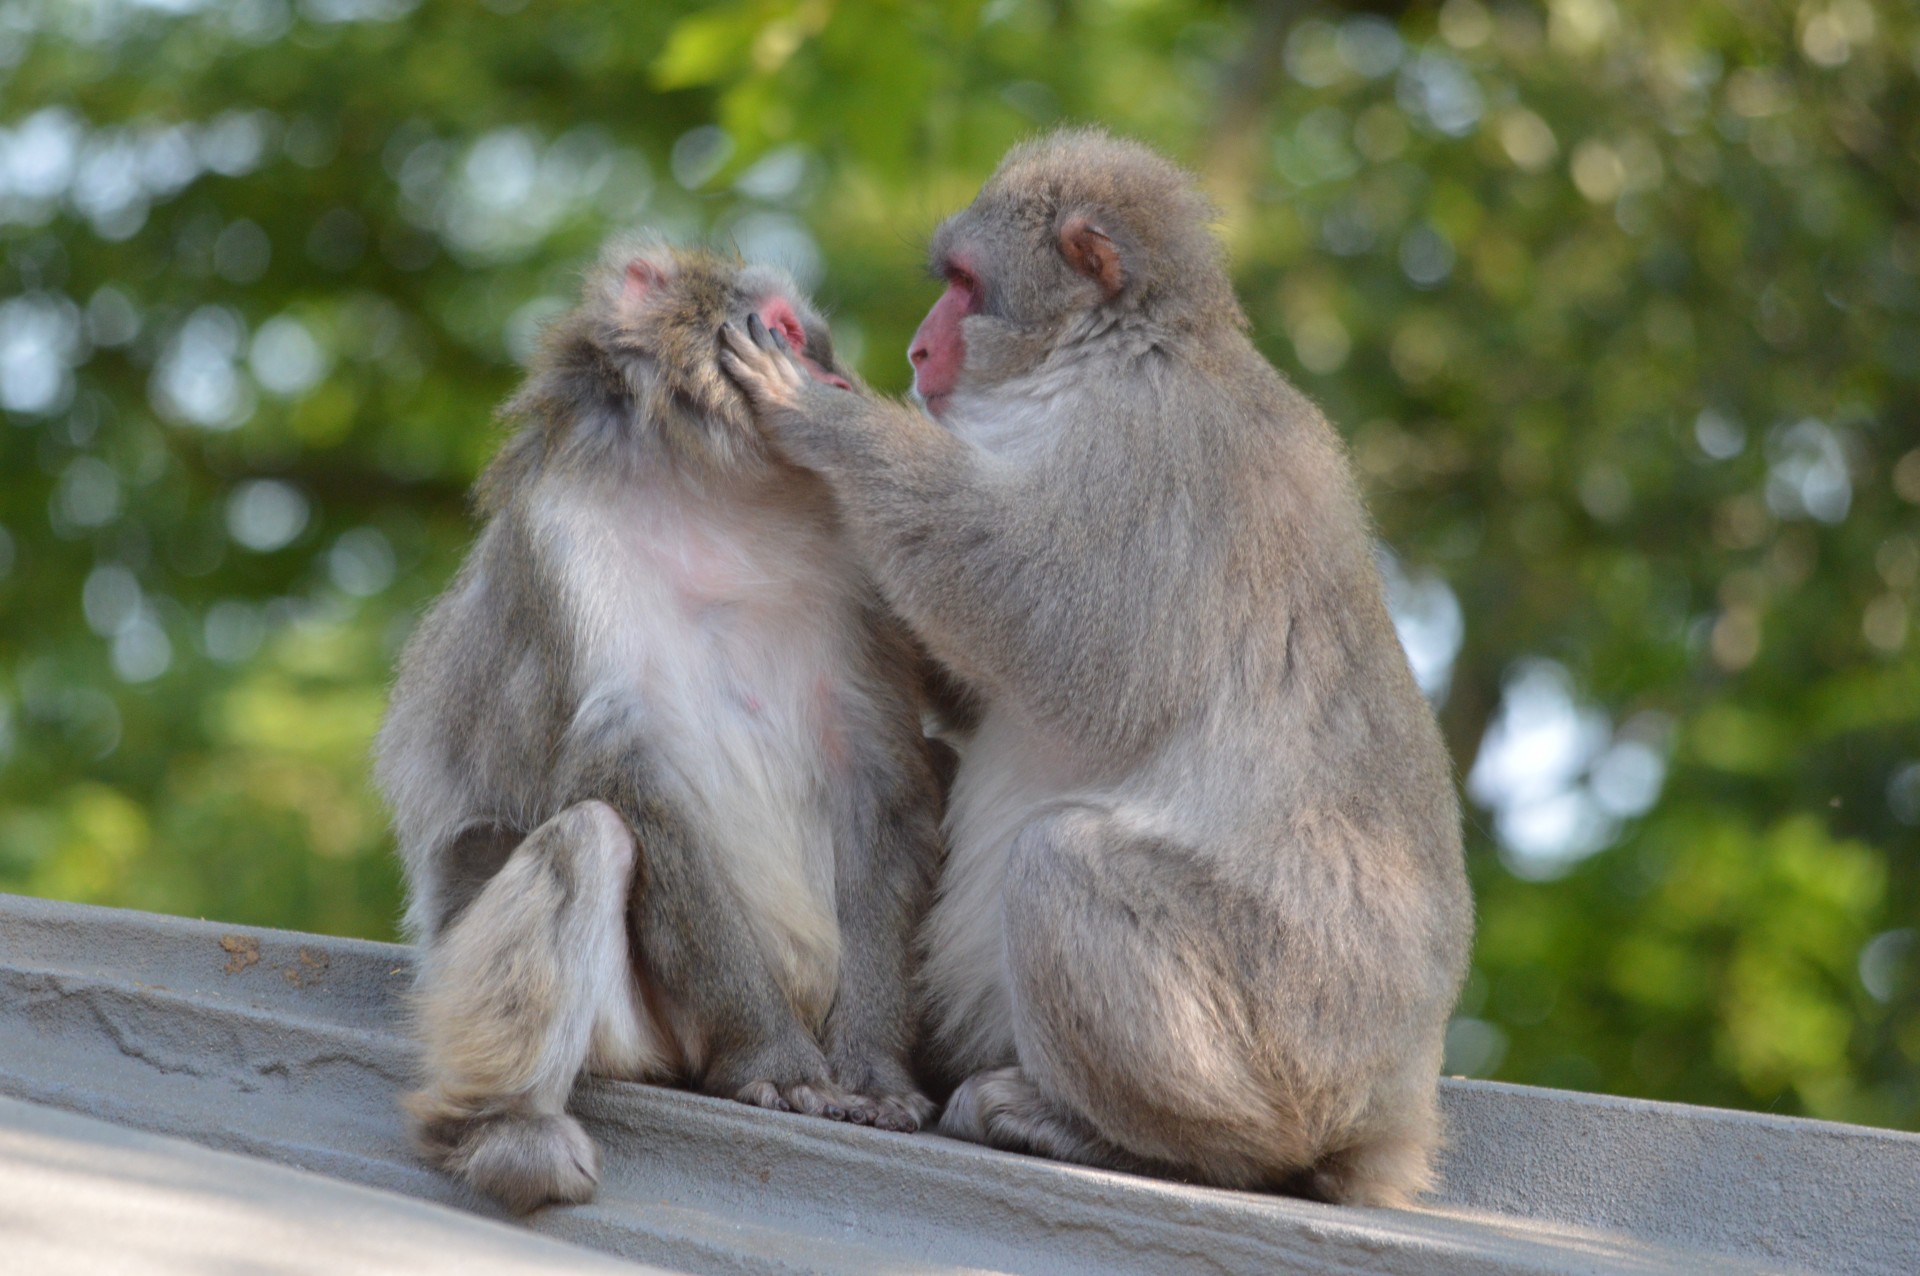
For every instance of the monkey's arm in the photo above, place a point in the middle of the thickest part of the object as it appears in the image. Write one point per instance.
(991, 568)
(907, 487)
(888, 851)
(828, 429)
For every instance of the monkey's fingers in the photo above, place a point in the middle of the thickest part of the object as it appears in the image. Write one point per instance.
(745, 362)
(747, 358)
(737, 349)
(765, 337)
(770, 376)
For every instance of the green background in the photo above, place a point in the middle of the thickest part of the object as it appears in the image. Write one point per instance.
(1617, 302)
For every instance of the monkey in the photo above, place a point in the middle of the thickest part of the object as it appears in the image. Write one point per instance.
(1204, 912)
(660, 789)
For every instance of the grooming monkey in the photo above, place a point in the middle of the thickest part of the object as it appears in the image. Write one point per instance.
(655, 758)
(1205, 911)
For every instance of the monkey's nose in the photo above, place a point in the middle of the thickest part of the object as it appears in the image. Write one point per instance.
(918, 355)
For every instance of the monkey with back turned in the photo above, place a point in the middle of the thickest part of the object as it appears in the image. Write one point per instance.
(655, 757)
(1205, 910)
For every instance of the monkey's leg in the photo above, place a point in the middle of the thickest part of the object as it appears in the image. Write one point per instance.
(532, 975)
(736, 1026)
(1066, 911)
(1140, 982)
(887, 850)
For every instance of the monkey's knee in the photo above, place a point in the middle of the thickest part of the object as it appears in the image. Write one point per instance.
(1122, 1007)
(1073, 961)
(1052, 868)
(1075, 897)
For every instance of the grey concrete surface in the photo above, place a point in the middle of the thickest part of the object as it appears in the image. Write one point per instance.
(80, 1197)
(286, 1048)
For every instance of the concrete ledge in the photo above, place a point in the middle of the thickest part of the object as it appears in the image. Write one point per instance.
(79, 1196)
(285, 1048)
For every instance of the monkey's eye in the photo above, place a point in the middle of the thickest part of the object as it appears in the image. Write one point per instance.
(963, 282)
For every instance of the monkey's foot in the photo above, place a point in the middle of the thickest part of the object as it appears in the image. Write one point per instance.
(902, 1111)
(522, 1161)
(786, 1073)
(1002, 1108)
(884, 1095)
(814, 1097)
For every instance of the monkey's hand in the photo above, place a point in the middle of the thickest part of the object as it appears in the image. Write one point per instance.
(763, 365)
(789, 404)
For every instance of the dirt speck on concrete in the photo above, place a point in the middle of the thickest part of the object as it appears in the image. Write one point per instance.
(242, 951)
(308, 968)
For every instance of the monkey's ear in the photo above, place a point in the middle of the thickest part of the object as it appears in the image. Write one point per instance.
(642, 278)
(1090, 251)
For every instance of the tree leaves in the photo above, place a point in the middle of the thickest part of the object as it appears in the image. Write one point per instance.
(1618, 304)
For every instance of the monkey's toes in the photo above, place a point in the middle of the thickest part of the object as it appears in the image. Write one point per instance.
(823, 1100)
(525, 1162)
(809, 1098)
(885, 1093)
(763, 1094)
(903, 1113)
(900, 1111)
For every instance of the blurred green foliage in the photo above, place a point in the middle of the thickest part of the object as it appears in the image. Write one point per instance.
(1617, 301)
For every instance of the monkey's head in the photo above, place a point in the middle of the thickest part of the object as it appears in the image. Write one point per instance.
(638, 356)
(1075, 233)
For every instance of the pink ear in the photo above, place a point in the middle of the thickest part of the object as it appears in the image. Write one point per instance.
(777, 313)
(642, 278)
(1089, 251)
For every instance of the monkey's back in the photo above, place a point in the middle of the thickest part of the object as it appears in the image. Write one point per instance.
(1295, 773)
(1316, 753)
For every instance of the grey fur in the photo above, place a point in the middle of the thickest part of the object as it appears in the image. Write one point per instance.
(1205, 911)
(655, 759)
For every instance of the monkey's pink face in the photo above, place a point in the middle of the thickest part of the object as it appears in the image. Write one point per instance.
(779, 317)
(939, 348)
